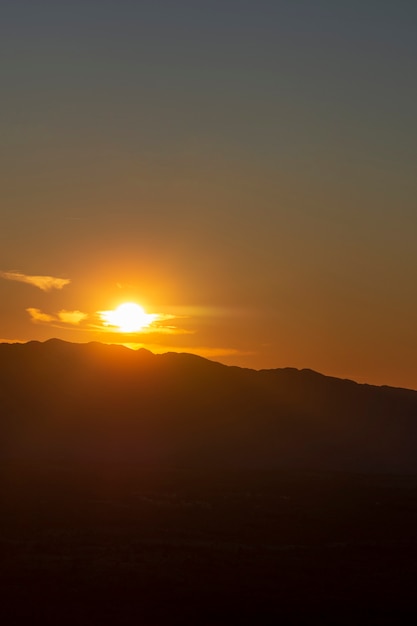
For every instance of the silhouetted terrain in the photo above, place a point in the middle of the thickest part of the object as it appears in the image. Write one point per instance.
(168, 490)
(106, 403)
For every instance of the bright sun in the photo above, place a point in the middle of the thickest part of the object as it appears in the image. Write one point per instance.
(128, 318)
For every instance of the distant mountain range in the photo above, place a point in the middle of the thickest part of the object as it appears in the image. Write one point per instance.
(95, 403)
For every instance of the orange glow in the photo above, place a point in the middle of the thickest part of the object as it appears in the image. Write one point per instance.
(128, 318)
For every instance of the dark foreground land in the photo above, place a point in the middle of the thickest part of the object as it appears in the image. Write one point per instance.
(151, 547)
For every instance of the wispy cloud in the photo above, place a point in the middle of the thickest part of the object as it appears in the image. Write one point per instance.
(45, 283)
(204, 351)
(37, 315)
(72, 317)
(133, 322)
(12, 340)
(63, 316)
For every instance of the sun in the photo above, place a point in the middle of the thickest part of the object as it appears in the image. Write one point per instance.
(128, 318)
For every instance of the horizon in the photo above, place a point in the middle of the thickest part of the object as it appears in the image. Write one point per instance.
(206, 358)
(235, 181)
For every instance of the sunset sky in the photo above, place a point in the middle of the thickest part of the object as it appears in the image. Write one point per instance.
(245, 170)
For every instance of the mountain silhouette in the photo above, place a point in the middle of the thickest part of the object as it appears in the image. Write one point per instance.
(96, 403)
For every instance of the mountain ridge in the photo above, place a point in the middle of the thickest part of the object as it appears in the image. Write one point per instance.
(95, 402)
(54, 341)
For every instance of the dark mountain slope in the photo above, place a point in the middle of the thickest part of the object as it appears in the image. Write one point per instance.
(93, 403)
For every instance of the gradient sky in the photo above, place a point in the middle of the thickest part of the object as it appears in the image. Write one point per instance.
(244, 169)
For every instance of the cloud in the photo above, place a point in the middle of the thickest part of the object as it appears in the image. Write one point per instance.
(37, 315)
(64, 316)
(206, 352)
(169, 330)
(11, 341)
(45, 283)
(72, 317)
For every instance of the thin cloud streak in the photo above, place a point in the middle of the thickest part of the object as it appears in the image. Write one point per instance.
(72, 317)
(205, 352)
(93, 323)
(37, 315)
(45, 283)
(11, 341)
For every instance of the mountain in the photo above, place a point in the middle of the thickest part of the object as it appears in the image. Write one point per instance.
(100, 404)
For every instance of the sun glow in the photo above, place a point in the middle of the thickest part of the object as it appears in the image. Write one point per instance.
(128, 318)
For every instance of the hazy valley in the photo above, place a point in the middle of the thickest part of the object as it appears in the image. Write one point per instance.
(174, 490)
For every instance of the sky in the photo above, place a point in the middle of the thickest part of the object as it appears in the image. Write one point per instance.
(245, 170)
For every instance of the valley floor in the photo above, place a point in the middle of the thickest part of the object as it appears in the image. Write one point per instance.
(86, 546)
